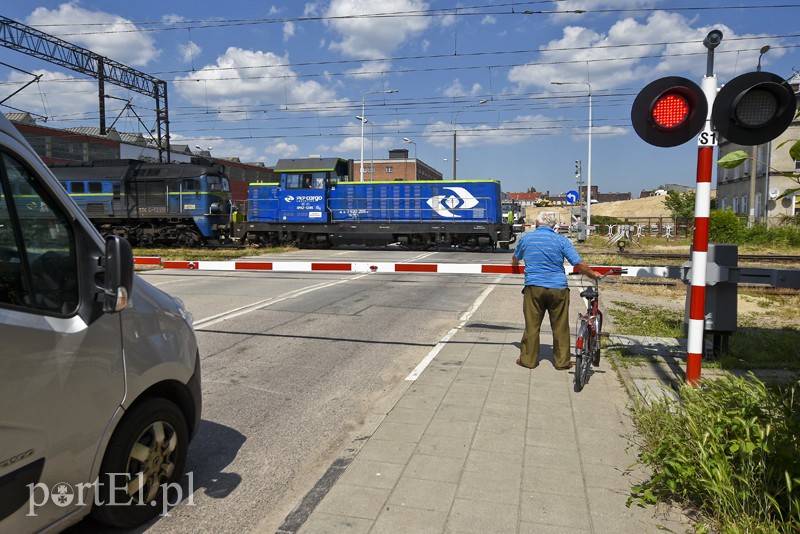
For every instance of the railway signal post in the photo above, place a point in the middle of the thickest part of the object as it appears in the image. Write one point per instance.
(751, 109)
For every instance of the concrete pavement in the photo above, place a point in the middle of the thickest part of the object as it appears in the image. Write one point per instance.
(478, 444)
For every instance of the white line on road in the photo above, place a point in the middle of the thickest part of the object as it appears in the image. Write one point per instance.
(215, 319)
(439, 346)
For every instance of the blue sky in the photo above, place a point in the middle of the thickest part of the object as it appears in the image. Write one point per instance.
(270, 80)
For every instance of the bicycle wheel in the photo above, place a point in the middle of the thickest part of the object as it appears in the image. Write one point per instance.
(582, 359)
(596, 344)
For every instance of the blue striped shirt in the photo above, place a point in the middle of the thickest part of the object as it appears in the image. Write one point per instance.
(544, 252)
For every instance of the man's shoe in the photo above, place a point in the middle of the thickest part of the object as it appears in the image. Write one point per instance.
(570, 365)
(519, 362)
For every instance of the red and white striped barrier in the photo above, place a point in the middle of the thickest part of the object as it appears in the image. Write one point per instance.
(380, 267)
(147, 260)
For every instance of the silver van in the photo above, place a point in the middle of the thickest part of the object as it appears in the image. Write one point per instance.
(99, 371)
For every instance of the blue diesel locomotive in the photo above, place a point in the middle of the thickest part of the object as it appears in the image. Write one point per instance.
(316, 204)
(184, 204)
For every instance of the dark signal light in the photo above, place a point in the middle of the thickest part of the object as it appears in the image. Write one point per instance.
(754, 108)
(669, 111)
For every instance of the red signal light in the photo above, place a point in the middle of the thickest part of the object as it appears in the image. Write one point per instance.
(670, 111)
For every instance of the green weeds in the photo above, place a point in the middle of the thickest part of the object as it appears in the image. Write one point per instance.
(731, 449)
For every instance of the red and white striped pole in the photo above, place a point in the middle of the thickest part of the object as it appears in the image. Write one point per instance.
(702, 206)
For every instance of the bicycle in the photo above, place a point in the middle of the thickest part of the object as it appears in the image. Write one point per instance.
(589, 329)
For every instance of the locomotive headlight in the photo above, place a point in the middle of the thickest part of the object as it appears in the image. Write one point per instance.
(215, 208)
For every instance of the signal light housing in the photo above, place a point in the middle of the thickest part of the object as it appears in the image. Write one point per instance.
(754, 108)
(669, 111)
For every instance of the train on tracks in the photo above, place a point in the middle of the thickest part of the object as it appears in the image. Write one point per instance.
(314, 203)
(166, 204)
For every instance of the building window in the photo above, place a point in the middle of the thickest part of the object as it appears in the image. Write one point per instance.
(389, 169)
(735, 204)
(744, 204)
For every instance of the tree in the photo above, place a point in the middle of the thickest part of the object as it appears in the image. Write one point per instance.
(531, 190)
(681, 206)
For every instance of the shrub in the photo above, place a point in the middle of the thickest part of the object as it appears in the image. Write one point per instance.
(724, 227)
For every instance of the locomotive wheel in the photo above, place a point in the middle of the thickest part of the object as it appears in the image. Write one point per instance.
(188, 238)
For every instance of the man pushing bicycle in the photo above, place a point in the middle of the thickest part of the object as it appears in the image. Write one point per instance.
(543, 252)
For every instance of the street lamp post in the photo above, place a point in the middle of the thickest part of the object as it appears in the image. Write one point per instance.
(407, 140)
(754, 165)
(455, 128)
(363, 114)
(589, 162)
(372, 144)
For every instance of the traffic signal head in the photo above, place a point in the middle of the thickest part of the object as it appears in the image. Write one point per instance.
(754, 108)
(669, 111)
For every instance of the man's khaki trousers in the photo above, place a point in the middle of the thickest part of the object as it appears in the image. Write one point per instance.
(536, 301)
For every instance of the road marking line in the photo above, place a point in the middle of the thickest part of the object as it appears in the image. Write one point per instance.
(448, 336)
(237, 312)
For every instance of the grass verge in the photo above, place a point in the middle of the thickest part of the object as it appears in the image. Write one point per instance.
(730, 449)
(760, 342)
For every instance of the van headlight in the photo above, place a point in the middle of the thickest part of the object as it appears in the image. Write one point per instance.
(188, 317)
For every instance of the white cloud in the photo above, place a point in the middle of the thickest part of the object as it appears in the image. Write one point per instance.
(247, 77)
(189, 51)
(371, 69)
(56, 96)
(516, 130)
(615, 58)
(349, 145)
(282, 149)
(488, 19)
(456, 89)
(115, 37)
(221, 148)
(288, 30)
(373, 37)
(172, 18)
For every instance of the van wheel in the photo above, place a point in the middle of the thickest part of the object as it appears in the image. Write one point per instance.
(146, 453)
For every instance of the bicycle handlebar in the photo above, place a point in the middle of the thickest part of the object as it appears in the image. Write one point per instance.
(607, 273)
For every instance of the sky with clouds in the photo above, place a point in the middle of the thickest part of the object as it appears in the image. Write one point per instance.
(268, 80)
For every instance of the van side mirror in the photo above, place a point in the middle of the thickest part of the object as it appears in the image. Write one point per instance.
(118, 274)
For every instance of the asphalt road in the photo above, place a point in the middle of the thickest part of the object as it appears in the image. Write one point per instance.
(297, 367)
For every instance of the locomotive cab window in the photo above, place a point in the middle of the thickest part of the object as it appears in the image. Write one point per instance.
(192, 184)
(95, 187)
(307, 180)
(38, 262)
(77, 187)
(218, 183)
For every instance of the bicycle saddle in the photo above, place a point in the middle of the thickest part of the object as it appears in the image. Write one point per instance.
(589, 293)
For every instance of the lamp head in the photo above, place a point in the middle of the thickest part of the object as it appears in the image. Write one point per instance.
(713, 39)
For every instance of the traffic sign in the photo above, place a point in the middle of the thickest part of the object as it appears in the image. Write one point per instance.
(572, 197)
